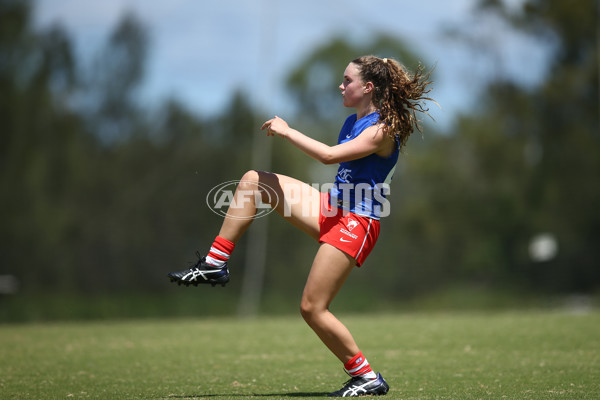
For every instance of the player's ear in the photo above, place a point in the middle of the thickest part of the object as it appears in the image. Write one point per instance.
(368, 88)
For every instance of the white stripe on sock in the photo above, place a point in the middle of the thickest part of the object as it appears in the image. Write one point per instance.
(214, 262)
(361, 366)
(219, 252)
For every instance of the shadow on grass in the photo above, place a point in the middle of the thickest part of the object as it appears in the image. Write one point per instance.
(248, 395)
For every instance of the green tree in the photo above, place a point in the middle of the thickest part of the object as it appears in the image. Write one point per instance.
(114, 78)
(521, 164)
(559, 122)
(38, 141)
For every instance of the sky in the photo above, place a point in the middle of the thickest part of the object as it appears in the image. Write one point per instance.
(253, 44)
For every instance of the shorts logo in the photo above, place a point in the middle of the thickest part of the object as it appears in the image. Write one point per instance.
(348, 233)
(351, 224)
(344, 240)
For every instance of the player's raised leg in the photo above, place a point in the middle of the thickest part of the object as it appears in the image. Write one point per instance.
(294, 200)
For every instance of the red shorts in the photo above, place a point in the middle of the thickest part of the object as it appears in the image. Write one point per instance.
(346, 231)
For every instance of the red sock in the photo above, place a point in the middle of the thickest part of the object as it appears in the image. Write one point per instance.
(219, 252)
(359, 366)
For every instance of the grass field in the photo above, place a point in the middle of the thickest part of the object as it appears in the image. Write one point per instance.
(509, 355)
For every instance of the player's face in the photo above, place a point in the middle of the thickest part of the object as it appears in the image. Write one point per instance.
(353, 89)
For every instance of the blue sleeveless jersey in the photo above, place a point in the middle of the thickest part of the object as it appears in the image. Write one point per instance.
(361, 185)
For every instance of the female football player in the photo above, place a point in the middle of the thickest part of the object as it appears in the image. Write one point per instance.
(344, 221)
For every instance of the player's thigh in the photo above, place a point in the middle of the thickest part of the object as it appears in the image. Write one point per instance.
(296, 201)
(328, 273)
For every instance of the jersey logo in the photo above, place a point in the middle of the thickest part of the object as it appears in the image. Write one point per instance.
(344, 174)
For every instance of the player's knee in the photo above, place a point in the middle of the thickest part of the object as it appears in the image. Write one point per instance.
(260, 184)
(308, 310)
(305, 309)
(249, 180)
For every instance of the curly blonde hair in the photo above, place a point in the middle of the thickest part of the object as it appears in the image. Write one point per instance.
(398, 94)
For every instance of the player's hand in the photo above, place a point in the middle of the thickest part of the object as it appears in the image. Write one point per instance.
(276, 126)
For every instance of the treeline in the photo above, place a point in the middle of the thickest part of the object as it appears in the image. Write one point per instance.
(100, 194)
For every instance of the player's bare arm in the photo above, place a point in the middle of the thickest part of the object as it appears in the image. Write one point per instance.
(371, 140)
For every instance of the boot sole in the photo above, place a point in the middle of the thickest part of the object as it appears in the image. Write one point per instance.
(213, 282)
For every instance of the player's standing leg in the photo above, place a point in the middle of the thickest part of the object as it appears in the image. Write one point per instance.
(329, 271)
